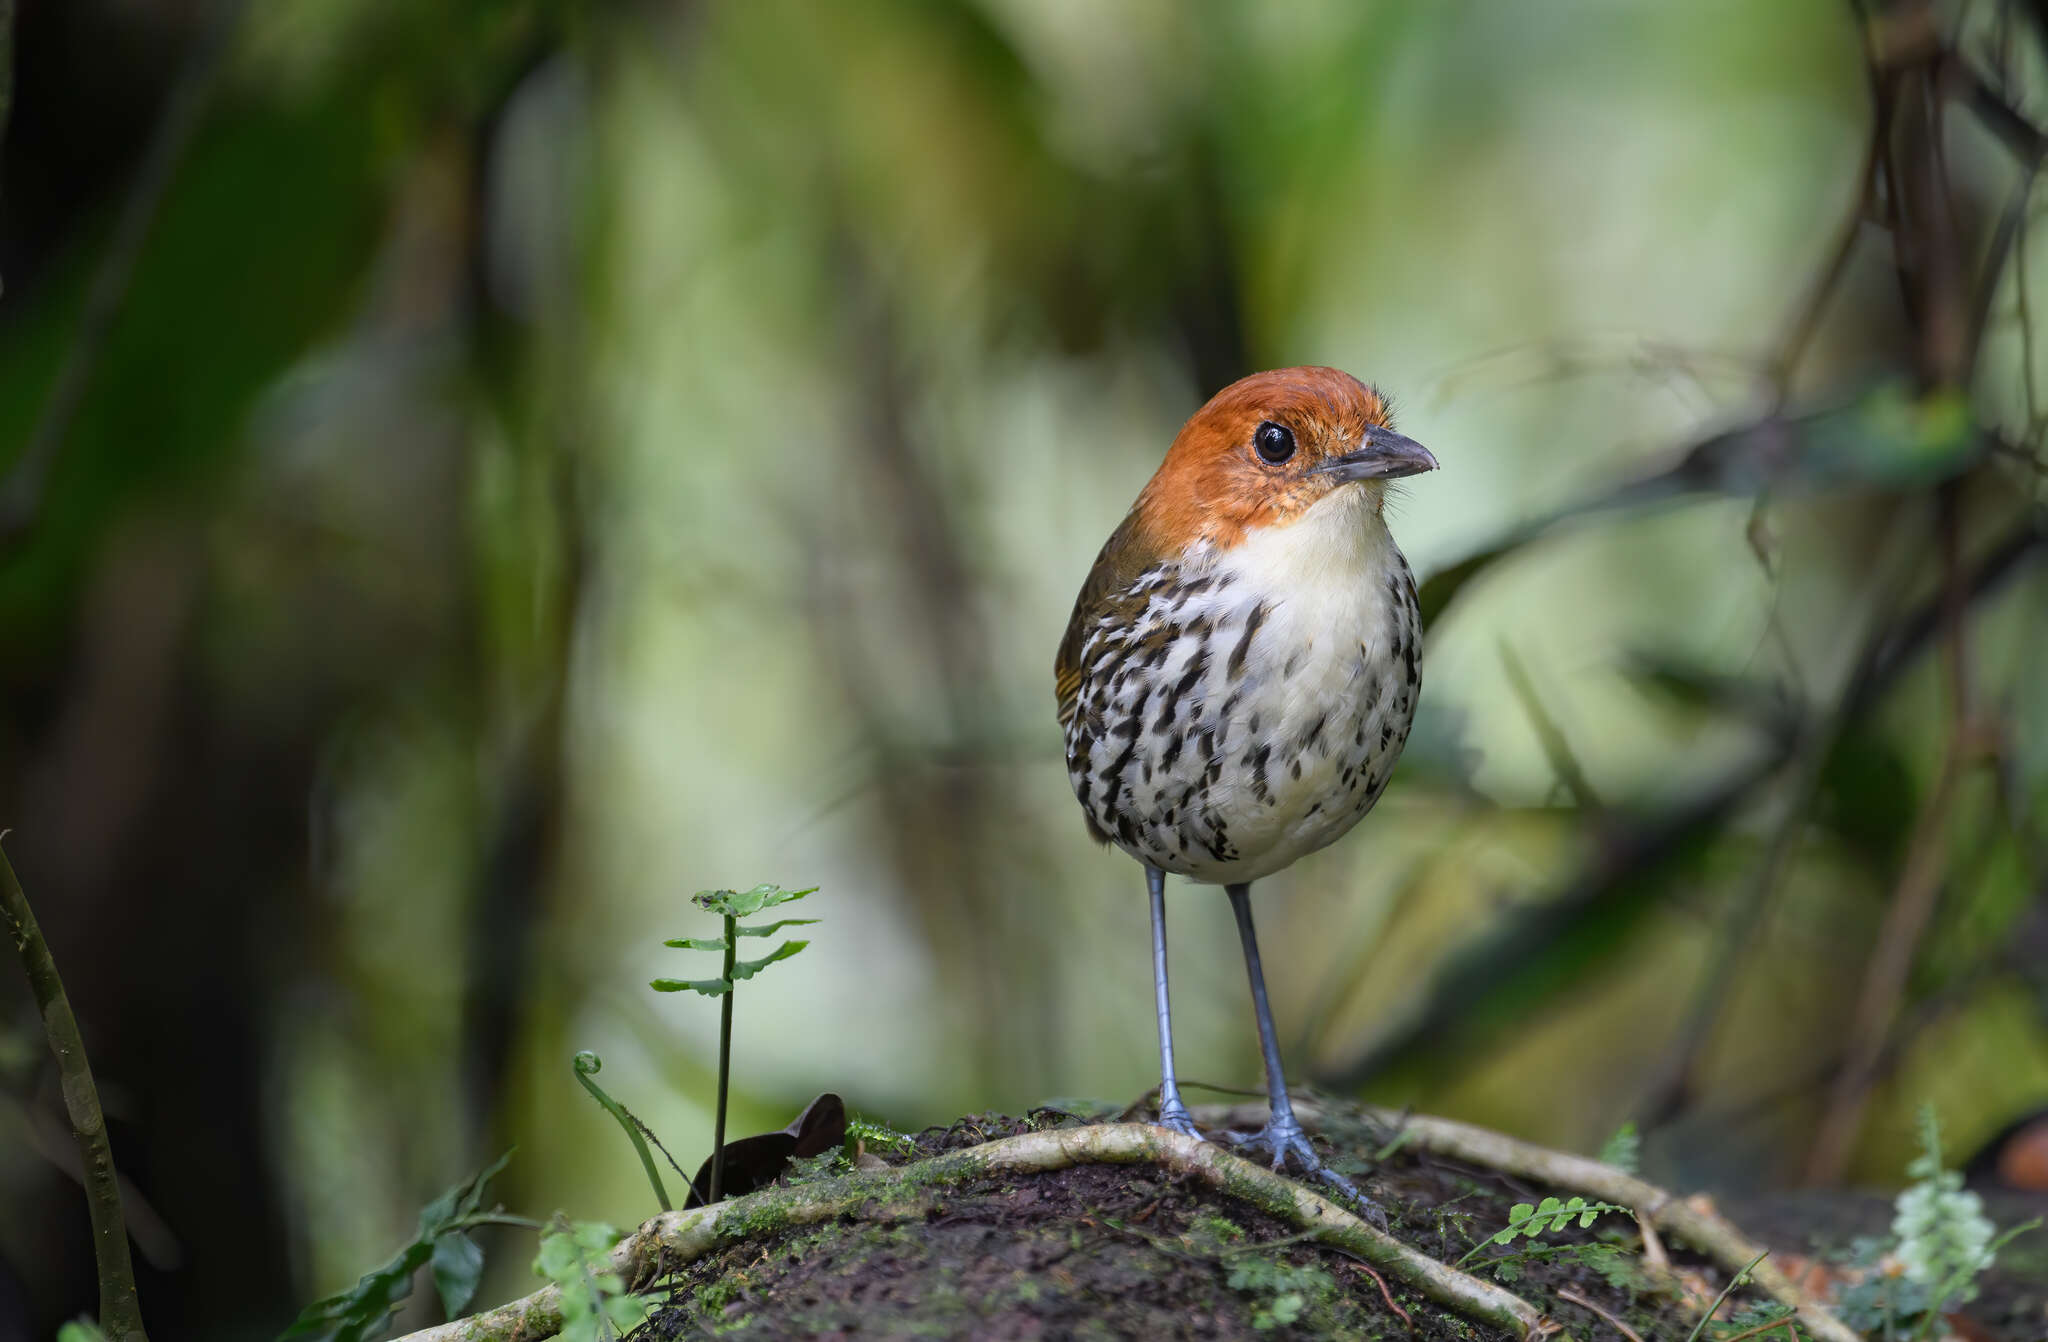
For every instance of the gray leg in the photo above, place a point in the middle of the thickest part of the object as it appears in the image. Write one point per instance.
(1282, 1136)
(1172, 1112)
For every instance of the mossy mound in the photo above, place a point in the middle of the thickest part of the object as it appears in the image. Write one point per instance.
(1131, 1251)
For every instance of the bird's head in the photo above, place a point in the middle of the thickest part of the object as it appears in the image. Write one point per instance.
(1268, 448)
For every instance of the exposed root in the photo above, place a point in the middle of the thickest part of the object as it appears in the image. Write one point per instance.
(672, 1239)
(1658, 1209)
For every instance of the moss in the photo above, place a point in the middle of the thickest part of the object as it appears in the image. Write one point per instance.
(1121, 1251)
(1215, 1226)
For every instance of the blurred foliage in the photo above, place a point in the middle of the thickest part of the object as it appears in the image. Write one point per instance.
(364, 1311)
(596, 1306)
(542, 458)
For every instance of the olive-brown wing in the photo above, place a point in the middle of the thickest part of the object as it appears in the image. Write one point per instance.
(1122, 561)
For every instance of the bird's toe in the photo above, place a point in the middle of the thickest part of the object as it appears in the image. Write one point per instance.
(1285, 1144)
(1360, 1203)
(1177, 1119)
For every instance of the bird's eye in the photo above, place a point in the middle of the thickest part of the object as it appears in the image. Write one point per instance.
(1275, 442)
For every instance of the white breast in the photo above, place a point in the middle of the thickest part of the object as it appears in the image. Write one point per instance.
(1271, 722)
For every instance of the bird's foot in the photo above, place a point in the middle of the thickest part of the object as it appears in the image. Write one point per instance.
(1281, 1140)
(1174, 1115)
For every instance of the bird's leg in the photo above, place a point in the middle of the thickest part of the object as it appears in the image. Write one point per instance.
(1172, 1112)
(1282, 1136)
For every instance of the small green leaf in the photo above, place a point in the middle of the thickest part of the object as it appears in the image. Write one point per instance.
(1624, 1149)
(80, 1330)
(458, 1266)
(627, 1312)
(698, 943)
(558, 1256)
(470, 1201)
(770, 929)
(746, 969)
(595, 1306)
(360, 1312)
(709, 987)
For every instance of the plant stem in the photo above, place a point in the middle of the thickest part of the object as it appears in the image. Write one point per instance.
(21, 492)
(120, 1311)
(1726, 1291)
(586, 1063)
(724, 1059)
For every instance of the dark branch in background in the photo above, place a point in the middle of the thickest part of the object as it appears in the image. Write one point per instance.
(1563, 762)
(1628, 860)
(1903, 184)
(120, 1311)
(1799, 331)
(1672, 1090)
(938, 824)
(6, 74)
(1927, 248)
(1919, 883)
(1209, 314)
(2020, 137)
(21, 494)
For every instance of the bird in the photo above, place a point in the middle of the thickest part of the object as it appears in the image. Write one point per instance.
(1242, 667)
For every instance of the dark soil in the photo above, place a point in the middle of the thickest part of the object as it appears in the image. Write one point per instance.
(1132, 1252)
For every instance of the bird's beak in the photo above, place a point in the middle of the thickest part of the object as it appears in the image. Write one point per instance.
(1384, 455)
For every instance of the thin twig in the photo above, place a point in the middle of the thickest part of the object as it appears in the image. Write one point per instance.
(1919, 884)
(2006, 238)
(672, 1239)
(1670, 1089)
(1926, 251)
(1760, 1330)
(21, 493)
(2021, 138)
(1567, 1293)
(51, 1138)
(1722, 1298)
(1563, 762)
(120, 1310)
(1806, 319)
(1369, 1270)
(1654, 1252)
(2030, 376)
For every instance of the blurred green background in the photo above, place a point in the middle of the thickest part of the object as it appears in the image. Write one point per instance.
(476, 473)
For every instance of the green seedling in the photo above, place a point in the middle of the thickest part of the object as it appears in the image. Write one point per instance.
(1733, 1282)
(1624, 1150)
(1530, 1220)
(1942, 1241)
(588, 1065)
(733, 905)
